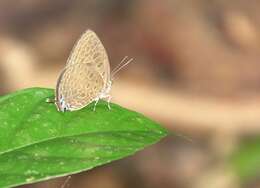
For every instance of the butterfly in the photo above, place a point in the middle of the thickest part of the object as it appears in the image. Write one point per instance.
(86, 77)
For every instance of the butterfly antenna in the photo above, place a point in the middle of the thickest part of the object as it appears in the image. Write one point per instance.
(121, 65)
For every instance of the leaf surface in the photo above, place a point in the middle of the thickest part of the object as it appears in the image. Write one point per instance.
(38, 143)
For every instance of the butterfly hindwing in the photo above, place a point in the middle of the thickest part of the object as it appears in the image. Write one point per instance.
(78, 85)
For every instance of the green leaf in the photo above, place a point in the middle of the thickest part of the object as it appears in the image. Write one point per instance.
(245, 160)
(38, 143)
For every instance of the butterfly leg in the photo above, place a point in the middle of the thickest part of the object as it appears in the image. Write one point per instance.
(109, 97)
(96, 101)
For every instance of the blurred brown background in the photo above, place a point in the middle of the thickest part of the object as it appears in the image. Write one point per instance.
(196, 71)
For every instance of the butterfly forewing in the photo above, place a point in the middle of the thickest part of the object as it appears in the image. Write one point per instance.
(90, 50)
(78, 85)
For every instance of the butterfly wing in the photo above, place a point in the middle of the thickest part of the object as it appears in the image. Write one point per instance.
(78, 85)
(90, 50)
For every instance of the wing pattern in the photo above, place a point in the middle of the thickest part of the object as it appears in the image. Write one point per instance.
(89, 49)
(78, 86)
